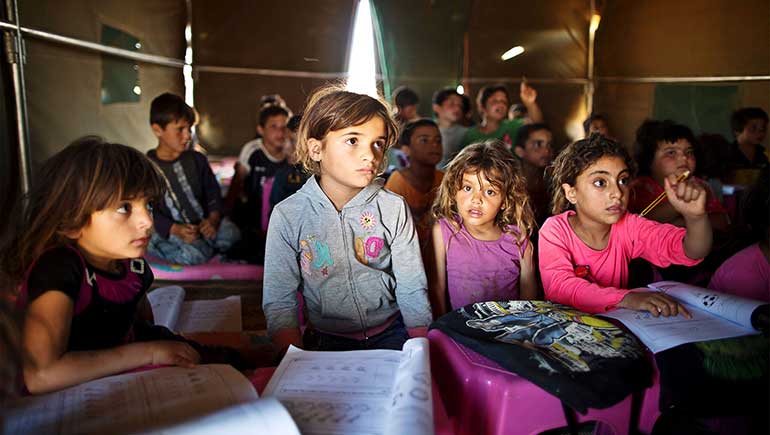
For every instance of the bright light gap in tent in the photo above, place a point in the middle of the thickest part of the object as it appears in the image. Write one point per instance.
(187, 69)
(361, 65)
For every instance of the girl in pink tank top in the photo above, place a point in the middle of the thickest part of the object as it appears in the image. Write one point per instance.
(480, 239)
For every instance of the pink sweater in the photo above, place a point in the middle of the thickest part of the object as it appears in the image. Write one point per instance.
(746, 274)
(593, 281)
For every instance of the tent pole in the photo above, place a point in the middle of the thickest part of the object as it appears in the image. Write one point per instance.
(590, 85)
(14, 46)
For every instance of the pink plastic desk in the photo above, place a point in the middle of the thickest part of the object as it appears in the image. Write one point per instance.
(214, 269)
(484, 398)
(441, 422)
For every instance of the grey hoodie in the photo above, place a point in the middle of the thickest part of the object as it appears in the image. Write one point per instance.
(355, 268)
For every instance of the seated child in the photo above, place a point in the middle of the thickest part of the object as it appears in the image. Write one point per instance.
(596, 123)
(418, 182)
(534, 146)
(747, 155)
(664, 148)
(585, 247)
(268, 157)
(80, 268)
(481, 240)
(290, 178)
(405, 100)
(492, 104)
(189, 226)
(747, 273)
(448, 107)
(348, 245)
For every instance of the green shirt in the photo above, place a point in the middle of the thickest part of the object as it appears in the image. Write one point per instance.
(506, 132)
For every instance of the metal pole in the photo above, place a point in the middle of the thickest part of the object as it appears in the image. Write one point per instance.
(589, 89)
(141, 57)
(14, 46)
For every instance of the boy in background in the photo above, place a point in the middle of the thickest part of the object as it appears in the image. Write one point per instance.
(534, 146)
(448, 107)
(189, 225)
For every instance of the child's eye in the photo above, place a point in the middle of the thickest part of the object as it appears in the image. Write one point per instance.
(600, 183)
(466, 188)
(352, 141)
(379, 145)
(491, 192)
(623, 182)
(125, 208)
(149, 206)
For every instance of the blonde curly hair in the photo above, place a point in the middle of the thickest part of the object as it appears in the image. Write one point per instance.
(332, 108)
(492, 160)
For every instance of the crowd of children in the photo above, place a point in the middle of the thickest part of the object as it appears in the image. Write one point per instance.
(486, 212)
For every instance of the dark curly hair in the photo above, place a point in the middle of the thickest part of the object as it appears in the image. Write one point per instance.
(575, 158)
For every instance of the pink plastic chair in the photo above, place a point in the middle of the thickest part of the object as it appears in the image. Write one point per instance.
(267, 187)
(484, 398)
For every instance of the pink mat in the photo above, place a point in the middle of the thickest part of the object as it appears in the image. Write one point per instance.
(214, 269)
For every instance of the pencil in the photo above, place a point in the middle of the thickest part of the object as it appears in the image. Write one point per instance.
(662, 195)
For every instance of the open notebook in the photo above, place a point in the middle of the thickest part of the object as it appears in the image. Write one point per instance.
(172, 311)
(715, 316)
(359, 392)
(169, 401)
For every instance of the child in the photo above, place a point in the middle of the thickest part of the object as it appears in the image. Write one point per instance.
(664, 148)
(405, 100)
(747, 273)
(290, 178)
(448, 107)
(596, 123)
(493, 107)
(534, 146)
(747, 154)
(260, 160)
(586, 246)
(418, 182)
(344, 242)
(189, 226)
(481, 246)
(78, 260)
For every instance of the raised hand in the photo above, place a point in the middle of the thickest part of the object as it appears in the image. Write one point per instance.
(687, 197)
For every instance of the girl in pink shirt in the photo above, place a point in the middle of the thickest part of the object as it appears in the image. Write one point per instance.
(484, 221)
(586, 246)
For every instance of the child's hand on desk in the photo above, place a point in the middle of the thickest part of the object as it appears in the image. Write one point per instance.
(173, 353)
(657, 304)
(687, 197)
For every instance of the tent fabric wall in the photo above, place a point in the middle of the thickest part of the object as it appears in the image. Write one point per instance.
(63, 83)
(658, 38)
(555, 36)
(423, 44)
(292, 35)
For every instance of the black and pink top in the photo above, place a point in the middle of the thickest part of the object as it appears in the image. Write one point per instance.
(105, 303)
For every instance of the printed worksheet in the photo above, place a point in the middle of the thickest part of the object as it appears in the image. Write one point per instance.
(211, 315)
(367, 392)
(170, 400)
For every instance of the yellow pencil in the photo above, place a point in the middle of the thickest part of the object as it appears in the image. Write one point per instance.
(662, 195)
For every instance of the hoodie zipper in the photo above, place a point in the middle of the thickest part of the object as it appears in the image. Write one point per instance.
(350, 277)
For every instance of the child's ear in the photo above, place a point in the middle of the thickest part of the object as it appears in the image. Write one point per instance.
(72, 234)
(436, 108)
(157, 130)
(260, 130)
(315, 148)
(519, 151)
(569, 193)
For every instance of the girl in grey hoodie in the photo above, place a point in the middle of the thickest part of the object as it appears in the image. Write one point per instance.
(348, 245)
